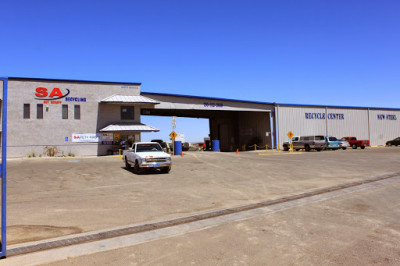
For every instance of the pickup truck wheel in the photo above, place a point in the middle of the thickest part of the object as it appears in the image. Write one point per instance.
(285, 148)
(307, 148)
(344, 148)
(137, 169)
(297, 149)
(318, 149)
(354, 146)
(165, 170)
(362, 147)
(127, 165)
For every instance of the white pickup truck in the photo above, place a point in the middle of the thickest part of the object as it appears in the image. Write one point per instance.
(147, 155)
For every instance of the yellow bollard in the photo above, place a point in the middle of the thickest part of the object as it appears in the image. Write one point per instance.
(291, 148)
(266, 148)
(255, 147)
(279, 148)
(120, 154)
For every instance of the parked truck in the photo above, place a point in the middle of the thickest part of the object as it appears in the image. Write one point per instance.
(355, 143)
(307, 143)
(147, 155)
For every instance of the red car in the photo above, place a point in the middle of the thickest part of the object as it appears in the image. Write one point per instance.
(355, 143)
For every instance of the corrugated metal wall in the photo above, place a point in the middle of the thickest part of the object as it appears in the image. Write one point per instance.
(347, 122)
(384, 126)
(378, 126)
(294, 119)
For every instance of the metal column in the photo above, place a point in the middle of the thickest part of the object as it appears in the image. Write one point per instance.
(272, 131)
(3, 252)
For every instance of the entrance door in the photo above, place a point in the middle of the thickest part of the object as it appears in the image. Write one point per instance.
(129, 138)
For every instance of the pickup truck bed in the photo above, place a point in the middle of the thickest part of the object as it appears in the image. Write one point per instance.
(355, 143)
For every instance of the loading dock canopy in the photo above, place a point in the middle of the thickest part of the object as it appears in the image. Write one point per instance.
(183, 102)
(129, 127)
(128, 99)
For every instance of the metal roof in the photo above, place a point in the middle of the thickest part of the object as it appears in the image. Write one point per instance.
(72, 80)
(271, 103)
(134, 126)
(128, 99)
(202, 97)
(336, 106)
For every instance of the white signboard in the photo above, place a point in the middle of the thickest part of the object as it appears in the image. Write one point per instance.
(87, 137)
(107, 136)
(180, 137)
(173, 123)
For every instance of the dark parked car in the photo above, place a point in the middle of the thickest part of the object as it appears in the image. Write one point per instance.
(162, 144)
(394, 142)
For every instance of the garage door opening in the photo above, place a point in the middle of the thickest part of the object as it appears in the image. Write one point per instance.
(193, 130)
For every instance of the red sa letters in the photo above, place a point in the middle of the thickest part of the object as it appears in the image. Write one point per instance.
(42, 92)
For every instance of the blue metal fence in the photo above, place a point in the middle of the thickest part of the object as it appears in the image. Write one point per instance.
(3, 252)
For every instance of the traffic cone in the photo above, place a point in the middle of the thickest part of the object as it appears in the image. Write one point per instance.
(237, 151)
(219, 150)
(181, 153)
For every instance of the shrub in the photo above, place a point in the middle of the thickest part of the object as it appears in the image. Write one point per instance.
(51, 150)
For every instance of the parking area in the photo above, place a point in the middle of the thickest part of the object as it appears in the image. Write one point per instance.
(50, 197)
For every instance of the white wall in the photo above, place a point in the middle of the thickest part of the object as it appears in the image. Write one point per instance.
(378, 126)
(347, 122)
(294, 119)
(384, 126)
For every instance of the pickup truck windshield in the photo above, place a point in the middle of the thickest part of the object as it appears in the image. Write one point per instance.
(148, 147)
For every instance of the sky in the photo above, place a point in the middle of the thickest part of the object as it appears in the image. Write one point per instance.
(301, 52)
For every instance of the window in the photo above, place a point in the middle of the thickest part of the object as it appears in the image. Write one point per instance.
(27, 111)
(127, 113)
(77, 112)
(64, 111)
(39, 111)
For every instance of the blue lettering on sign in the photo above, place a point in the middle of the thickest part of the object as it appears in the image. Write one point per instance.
(75, 99)
(66, 139)
(213, 105)
(336, 116)
(387, 117)
(315, 115)
(322, 116)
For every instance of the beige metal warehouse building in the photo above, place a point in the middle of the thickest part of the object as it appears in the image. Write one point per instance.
(92, 117)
